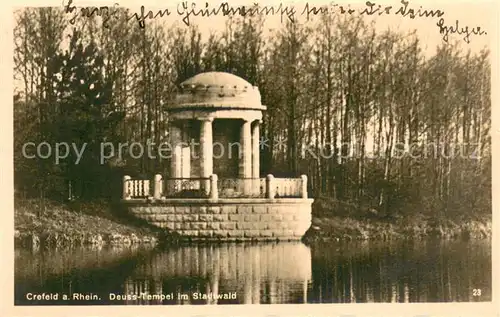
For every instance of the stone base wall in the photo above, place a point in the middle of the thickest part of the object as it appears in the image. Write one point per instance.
(230, 219)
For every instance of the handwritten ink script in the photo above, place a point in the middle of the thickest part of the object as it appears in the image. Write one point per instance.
(187, 10)
(372, 8)
(455, 29)
(184, 10)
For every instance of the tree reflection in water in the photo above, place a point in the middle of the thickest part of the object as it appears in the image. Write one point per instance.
(401, 271)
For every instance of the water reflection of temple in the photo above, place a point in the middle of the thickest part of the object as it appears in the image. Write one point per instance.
(258, 273)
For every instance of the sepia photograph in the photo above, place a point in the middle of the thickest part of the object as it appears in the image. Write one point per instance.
(215, 153)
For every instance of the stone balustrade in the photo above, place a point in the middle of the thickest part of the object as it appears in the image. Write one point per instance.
(136, 188)
(227, 209)
(241, 187)
(214, 188)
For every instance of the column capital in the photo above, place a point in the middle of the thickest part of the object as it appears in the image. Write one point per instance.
(251, 120)
(206, 119)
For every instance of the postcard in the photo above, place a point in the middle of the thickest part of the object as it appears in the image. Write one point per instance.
(259, 158)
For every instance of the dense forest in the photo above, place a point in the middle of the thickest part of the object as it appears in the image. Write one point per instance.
(366, 115)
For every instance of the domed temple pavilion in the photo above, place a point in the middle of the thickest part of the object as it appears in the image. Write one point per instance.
(213, 189)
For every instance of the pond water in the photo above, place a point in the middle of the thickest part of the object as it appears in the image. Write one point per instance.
(326, 272)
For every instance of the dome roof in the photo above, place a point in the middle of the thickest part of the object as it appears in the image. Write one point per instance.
(217, 90)
(216, 80)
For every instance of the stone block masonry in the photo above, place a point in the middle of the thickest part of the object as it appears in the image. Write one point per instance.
(228, 219)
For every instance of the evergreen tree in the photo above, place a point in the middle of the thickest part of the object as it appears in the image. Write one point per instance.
(86, 116)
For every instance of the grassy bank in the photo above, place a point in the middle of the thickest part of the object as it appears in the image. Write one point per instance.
(341, 221)
(47, 223)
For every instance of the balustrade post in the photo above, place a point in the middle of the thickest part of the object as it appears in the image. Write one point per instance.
(270, 191)
(304, 186)
(214, 192)
(126, 194)
(157, 187)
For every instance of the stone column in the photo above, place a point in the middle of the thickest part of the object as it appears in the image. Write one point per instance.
(206, 148)
(186, 150)
(256, 157)
(246, 151)
(256, 150)
(246, 155)
(176, 158)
